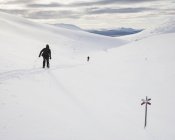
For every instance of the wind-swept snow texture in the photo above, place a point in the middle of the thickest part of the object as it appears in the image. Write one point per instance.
(77, 100)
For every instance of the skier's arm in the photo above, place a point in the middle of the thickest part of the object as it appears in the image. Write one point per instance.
(41, 52)
(50, 54)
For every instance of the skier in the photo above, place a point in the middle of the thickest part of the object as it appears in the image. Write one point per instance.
(88, 58)
(46, 54)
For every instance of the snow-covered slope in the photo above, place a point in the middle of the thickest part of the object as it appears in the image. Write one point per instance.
(167, 26)
(21, 41)
(99, 100)
(68, 26)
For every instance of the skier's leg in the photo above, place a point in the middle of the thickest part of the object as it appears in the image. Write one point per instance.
(48, 65)
(44, 61)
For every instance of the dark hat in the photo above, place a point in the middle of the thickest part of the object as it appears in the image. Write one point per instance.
(47, 46)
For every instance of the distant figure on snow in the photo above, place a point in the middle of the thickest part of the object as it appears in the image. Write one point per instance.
(88, 58)
(46, 54)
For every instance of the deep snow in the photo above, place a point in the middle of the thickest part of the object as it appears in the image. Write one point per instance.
(74, 99)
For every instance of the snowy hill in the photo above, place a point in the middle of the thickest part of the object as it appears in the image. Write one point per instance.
(68, 26)
(21, 41)
(167, 26)
(99, 100)
(106, 32)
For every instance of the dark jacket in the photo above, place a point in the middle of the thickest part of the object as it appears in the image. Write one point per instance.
(46, 53)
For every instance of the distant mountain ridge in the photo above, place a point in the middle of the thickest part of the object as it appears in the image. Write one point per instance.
(106, 32)
(116, 32)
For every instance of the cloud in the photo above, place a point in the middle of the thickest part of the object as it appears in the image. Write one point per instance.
(50, 5)
(105, 2)
(85, 11)
(19, 1)
(63, 14)
(53, 14)
(117, 10)
(14, 11)
(86, 4)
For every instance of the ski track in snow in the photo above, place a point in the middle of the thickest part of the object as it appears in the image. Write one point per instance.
(66, 92)
(25, 72)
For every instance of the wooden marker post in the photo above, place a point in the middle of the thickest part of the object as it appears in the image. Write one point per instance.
(146, 102)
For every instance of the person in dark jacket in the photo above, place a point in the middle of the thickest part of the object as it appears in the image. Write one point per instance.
(88, 58)
(46, 54)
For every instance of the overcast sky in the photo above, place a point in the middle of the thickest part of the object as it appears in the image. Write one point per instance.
(93, 14)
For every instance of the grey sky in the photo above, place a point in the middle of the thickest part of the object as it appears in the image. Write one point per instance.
(93, 13)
